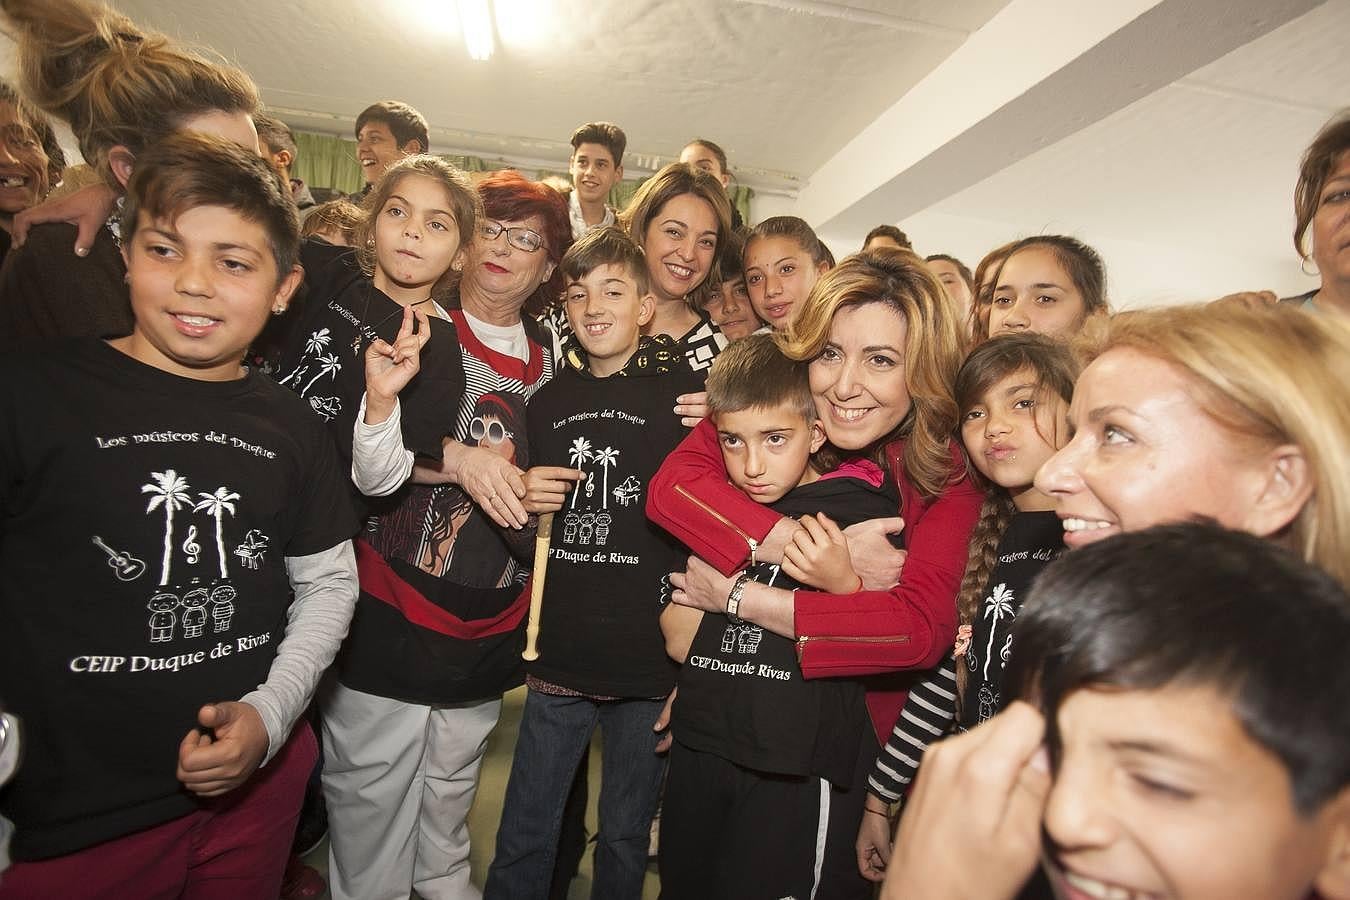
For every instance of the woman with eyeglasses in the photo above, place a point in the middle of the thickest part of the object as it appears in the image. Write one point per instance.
(426, 663)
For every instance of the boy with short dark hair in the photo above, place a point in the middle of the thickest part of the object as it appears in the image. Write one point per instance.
(596, 167)
(385, 133)
(727, 300)
(1191, 693)
(599, 430)
(763, 794)
(886, 236)
(159, 505)
(1206, 666)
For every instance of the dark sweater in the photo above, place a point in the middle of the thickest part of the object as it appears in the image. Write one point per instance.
(47, 291)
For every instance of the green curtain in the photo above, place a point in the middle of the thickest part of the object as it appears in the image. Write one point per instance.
(740, 198)
(329, 161)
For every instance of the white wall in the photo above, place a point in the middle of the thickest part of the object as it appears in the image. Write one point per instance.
(1139, 273)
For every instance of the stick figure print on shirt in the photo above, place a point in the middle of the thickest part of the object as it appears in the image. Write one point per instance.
(194, 609)
(581, 527)
(162, 617)
(200, 601)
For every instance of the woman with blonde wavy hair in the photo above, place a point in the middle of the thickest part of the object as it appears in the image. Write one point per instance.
(883, 345)
(1223, 412)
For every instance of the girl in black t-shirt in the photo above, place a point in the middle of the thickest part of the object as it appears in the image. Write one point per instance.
(1013, 392)
(375, 347)
(418, 218)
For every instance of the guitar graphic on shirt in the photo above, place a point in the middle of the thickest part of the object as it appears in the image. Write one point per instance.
(126, 566)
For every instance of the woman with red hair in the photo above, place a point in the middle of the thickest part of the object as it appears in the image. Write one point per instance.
(426, 663)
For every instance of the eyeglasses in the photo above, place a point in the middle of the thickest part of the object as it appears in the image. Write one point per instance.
(496, 432)
(520, 238)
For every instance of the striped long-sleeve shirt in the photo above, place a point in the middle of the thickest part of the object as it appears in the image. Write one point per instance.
(928, 714)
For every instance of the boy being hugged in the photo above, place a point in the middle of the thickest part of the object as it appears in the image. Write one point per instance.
(764, 771)
(182, 499)
(600, 429)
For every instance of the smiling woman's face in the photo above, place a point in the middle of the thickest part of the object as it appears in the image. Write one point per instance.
(23, 162)
(679, 244)
(858, 379)
(1144, 452)
(503, 271)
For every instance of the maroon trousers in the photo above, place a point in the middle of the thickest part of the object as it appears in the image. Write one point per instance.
(235, 846)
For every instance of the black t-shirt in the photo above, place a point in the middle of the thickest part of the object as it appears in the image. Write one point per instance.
(1032, 540)
(146, 519)
(599, 630)
(742, 695)
(323, 359)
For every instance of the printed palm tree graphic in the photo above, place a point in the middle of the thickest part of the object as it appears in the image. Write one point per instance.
(170, 491)
(998, 605)
(580, 452)
(328, 365)
(216, 505)
(607, 458)
(317, 343)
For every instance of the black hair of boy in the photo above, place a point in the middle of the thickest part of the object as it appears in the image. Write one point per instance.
(753, 373)
(187, 170)
(606, 134)
(405, 123)
(606, 247)
(276, 136)
(730, 265)
(1197, 605)
(889, 231)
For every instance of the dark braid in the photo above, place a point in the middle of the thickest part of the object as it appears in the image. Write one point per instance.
(995, 516)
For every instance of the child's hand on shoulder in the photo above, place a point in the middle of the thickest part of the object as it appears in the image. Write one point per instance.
(227, 748)
(818, 556)
(389, 367)
(691, 408)
(547, 487)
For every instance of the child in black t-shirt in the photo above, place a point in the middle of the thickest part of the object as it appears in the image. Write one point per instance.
(764, 763)
(598, 431)
(159, 506)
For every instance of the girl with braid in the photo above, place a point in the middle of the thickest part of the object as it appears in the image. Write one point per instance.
(1013, 392)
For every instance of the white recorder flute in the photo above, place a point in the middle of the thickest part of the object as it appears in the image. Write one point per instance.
(541, 542)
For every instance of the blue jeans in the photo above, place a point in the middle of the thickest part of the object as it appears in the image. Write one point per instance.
(553, 734)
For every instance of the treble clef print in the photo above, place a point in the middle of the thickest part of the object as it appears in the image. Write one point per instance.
(191, 548)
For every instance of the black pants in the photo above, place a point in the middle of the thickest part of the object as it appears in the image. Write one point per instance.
(731, 833)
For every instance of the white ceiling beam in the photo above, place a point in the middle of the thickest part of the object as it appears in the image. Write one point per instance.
(1037, 72)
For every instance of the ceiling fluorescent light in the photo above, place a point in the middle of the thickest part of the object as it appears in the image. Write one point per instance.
(862, 17)
(475, 19)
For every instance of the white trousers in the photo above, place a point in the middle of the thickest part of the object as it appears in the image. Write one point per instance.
(399, 779)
